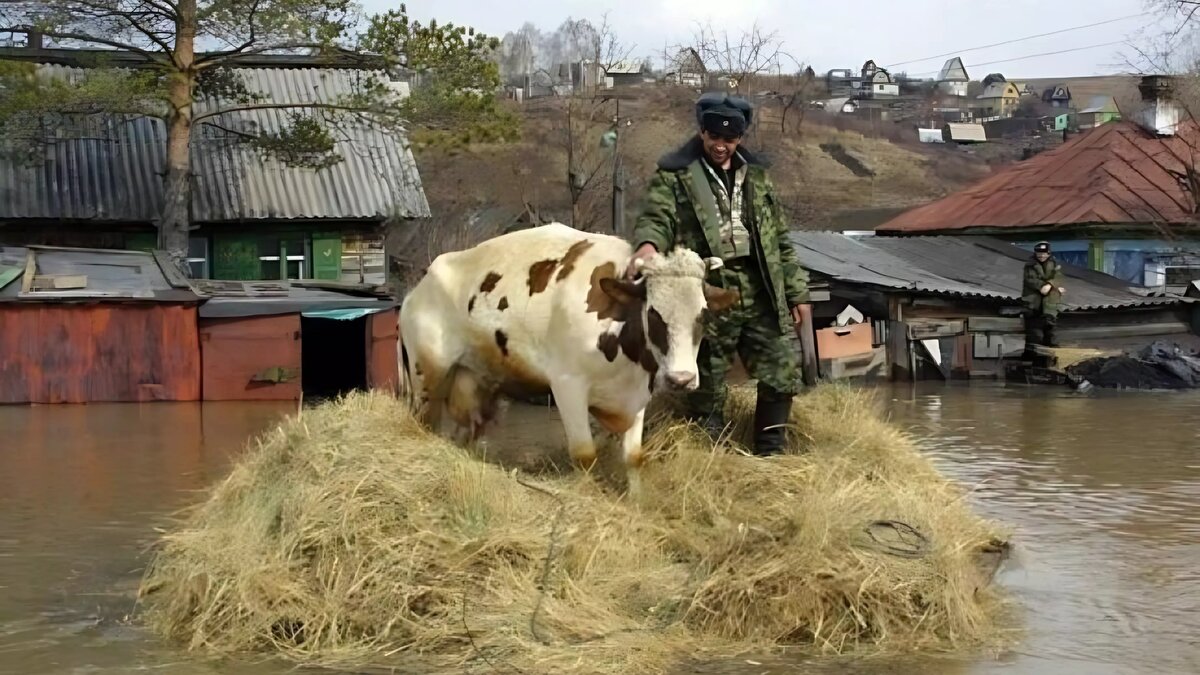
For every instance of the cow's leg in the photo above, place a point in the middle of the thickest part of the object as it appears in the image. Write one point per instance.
(571, 397)
(631, 449)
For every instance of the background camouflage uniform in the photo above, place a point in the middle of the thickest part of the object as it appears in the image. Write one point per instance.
(1041, 311)
(681, 209)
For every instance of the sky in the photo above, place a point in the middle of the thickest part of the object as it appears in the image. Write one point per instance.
(845, 33)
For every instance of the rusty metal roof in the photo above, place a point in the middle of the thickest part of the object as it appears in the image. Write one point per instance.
(1115, 174)
(115, 176)
(971, 266)
(96, 274)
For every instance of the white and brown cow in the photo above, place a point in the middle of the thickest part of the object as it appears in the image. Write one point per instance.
(546, 310)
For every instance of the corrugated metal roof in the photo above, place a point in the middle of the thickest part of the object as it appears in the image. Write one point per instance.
(979, 267)
(116, 175)
(1116, 173)
(118, 275)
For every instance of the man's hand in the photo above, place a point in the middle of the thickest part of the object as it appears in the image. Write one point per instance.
(1061, 290)
(1046, 289)
(644, 253)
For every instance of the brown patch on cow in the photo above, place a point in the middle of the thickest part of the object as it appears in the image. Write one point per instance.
(600, 303)
(572, 256)
(489, 282)
(613, 422)
(583, 454)
(609, 345)
(471, 305)
(539, 275)
(502, 342)
(503, 303)
(658, 330)
(635, 458)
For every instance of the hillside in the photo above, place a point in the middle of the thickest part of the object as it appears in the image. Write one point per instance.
(826, 177)
(1083, 89)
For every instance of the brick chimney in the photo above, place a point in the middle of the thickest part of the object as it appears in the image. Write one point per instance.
(33, 40)
(1159, 114)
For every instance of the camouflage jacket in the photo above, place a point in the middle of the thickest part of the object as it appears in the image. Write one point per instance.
(1038, 275)
(680, 210)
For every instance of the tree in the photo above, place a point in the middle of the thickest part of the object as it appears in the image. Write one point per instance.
(162, 56)
(738, 57)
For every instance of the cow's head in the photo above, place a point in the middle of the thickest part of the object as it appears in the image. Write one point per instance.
(669, 304)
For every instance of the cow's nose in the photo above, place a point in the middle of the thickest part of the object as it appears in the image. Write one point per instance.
(680, 378)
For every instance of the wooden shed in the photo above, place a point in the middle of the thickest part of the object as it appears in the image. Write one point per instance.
(91, 325)
(285, 341)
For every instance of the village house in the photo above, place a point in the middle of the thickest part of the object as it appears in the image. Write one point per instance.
(1101, 110)
(1058, 96)
(948, 307)
(687, 69)
(254, 217)
(1109, 199)
(953, 79)
(1000, 98)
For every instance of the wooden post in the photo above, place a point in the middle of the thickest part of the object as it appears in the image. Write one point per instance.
(808, 345)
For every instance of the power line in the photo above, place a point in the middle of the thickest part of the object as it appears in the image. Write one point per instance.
(1015, 40)
(1031, 56)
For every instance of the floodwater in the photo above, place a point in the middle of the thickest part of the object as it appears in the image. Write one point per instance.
(1103, 490)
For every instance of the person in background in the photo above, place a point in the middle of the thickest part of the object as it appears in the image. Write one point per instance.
(1042, 294)
(713, 196)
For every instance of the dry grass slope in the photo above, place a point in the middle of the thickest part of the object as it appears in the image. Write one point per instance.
(349, 536)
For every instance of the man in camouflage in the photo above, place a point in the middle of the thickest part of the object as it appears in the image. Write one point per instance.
(715, 198)
(1042, 294)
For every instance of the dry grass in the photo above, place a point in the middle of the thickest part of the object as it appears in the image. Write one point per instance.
(351, 537)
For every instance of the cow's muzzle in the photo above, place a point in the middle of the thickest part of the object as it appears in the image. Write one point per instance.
(681, 379)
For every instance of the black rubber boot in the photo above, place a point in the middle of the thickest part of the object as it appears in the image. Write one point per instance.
(771, 413)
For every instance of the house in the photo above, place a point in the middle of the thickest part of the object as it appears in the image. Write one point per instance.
(626, 72)
(1101, 110)
(1064, 121)
(877, 82)
(953, 79)
(90, 326)
(942, 307)
(1058, 96)
(843, 83)
(687, 69)
(254, 216)
(1000, 98)
(1108, 199)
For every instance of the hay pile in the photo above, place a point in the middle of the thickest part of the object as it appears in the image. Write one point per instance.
(351, 537)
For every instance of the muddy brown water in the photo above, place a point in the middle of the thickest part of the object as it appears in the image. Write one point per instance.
(1103, 490)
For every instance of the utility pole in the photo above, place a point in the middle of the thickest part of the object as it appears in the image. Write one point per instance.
(618, 187)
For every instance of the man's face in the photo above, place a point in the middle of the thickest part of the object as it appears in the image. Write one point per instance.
(1042, 256)
(719, 149)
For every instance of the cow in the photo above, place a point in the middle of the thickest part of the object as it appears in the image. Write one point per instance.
(547, 310)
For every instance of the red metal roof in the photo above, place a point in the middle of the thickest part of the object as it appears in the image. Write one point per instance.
(1116, 173)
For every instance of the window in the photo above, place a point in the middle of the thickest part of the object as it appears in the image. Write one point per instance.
(197, 259)
(1181, 276)
(284, 258)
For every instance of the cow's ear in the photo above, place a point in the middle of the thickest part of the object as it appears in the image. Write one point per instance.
(719, 299)
(624, 292)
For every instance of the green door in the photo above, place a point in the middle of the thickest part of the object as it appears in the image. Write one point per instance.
(327, 257)
(235, 258)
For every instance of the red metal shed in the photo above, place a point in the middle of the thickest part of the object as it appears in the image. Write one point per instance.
(297, 342)
(90, 325)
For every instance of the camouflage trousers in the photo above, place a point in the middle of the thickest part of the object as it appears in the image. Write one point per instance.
(748, 329)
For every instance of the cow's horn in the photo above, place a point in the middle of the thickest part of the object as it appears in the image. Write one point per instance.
(639, 263)
(714, 263)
